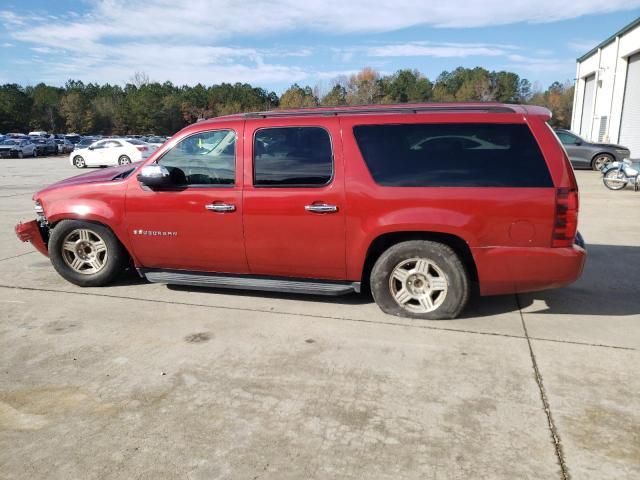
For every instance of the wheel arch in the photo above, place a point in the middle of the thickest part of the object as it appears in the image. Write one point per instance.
(603, 152)
(382, 242)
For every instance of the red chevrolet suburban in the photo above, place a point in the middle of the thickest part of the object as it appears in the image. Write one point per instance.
(421, 203)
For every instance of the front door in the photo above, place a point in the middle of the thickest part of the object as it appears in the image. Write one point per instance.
(294, 217)
(196, 225)
(578, 155)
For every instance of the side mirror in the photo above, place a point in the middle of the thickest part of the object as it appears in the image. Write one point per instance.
(91, 147)
(154, 176)
(578, 143)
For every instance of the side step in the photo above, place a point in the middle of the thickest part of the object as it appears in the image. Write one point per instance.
(249, 282)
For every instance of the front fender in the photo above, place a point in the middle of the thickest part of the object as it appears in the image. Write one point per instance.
(108, 212)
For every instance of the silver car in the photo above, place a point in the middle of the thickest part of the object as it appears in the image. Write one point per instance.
(583, 154)
(17, 147)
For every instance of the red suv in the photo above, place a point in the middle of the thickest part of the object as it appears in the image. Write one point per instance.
(420, 203)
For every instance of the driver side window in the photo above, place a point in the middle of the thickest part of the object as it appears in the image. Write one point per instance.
(203, 159)
(567, 139)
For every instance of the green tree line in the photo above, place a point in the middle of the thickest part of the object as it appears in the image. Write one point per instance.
(142, 106)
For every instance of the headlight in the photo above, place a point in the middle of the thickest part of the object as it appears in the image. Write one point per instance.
(40, 213)
(623, 153)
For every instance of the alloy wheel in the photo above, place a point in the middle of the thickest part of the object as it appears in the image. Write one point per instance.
(84, 251)
(418, 285)
(601, 161)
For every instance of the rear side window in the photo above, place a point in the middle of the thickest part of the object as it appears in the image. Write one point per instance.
(453, 155)
(292, 157)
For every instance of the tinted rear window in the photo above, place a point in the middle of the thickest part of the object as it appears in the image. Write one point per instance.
(453, 155)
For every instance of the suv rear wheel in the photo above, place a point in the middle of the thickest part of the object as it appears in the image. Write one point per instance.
(420, 279)
(86, 254)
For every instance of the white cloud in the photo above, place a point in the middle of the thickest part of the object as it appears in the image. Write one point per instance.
(428, 49)
(189, 40)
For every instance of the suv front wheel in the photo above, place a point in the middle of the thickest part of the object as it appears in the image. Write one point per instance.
(86, 254)
(420, 279)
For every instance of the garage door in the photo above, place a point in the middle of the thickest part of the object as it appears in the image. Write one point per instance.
(630, 125)
(587, 107)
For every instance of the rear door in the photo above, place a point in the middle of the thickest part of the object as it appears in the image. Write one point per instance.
(294, 220)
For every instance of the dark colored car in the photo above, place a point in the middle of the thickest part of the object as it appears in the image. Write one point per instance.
(416, 202)
(45, 146)
(583, 154)
(73, 137)
(84, 142)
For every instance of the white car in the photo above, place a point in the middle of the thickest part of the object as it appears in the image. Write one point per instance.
(110, 151)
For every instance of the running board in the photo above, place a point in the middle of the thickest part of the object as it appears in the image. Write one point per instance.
(249, 282)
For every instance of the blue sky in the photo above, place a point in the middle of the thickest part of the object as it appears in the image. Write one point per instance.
(273, 44)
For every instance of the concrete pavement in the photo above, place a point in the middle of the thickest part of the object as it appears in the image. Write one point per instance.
(142, 380)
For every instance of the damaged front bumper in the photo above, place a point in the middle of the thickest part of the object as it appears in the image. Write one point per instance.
(34, 233)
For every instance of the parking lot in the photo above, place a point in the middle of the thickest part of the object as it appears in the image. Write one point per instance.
(143, 380)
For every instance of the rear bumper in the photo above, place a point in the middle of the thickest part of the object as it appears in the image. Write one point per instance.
(504, 270)
(31, 232)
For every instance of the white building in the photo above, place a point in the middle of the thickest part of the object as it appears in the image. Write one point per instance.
(606, 104)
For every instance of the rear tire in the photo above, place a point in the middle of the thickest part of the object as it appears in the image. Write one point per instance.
(86, 254)
(124, 160)
(79, 162)
(420, 279)
(600, 161)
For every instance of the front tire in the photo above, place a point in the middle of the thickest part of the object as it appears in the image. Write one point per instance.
(79, 162)
(420, 279)
(124, 160)
(86, 254)
(615, 179)
(20, 154)
(601, 160)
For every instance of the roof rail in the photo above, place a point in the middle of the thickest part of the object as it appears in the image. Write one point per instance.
(375, 110)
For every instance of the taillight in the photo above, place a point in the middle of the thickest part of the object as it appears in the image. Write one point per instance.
(142, 149)
(565, 224)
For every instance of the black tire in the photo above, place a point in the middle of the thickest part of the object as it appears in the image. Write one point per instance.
(79, 162)
(441, 256)
(600, 161)
(124, 160)
(116, 256)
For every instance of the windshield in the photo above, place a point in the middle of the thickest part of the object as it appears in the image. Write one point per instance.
(10, 142)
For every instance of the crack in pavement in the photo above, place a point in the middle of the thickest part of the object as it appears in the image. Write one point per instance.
(327, 317)
(557, 443)
(16, 256)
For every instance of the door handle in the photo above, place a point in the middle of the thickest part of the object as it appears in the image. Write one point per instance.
(220, 207)
(321, 208)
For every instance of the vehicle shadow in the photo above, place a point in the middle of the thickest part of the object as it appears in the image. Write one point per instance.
(349, 299)
(609, 285)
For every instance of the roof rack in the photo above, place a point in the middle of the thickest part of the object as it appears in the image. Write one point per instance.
(375, 110)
